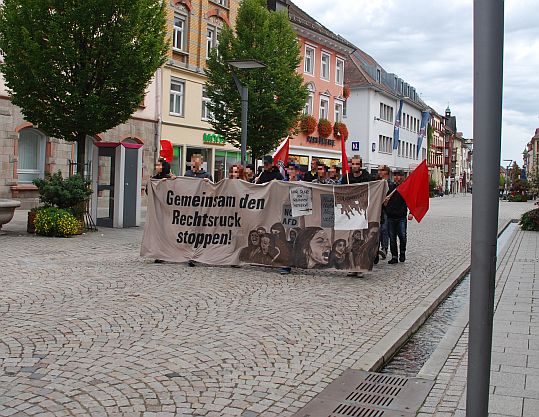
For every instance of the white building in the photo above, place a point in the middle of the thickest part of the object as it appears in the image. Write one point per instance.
(371, 111)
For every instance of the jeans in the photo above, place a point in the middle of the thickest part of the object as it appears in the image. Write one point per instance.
(397, 227)
(384, 233)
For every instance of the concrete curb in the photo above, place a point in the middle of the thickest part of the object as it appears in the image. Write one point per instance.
(385, 348)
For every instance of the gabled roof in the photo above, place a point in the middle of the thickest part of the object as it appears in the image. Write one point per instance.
(301, 18)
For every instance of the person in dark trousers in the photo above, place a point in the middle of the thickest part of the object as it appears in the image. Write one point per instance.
(384, 172)
(196, 170)
(312, 174)
(357, 173)
(269, 174)
(396, 211)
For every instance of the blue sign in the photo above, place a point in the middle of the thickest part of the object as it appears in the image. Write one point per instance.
(355, 146)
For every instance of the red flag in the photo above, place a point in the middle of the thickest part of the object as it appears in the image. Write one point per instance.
(281, 155)
(415, 191)
(167, 151)
(345, 169)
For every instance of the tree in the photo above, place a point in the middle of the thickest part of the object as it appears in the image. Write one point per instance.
(277, 94)
(80, 67)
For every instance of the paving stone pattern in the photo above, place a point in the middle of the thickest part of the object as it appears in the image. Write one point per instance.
(515, 353)
(90, 328)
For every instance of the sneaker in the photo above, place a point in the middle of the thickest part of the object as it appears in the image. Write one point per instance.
(191, 263)
(284, 271)
(376, 259)
(383, 253)
(393, 261)
(355, 274)
(402, 257)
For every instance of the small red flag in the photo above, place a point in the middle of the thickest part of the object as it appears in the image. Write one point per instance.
(415, 191)
(345, 169)
(167, 151)
(281, 155)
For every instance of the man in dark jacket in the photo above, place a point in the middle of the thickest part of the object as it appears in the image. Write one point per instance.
(269, 173)
(313, 173)
(396, 211)
(357, 174)
(196, 170)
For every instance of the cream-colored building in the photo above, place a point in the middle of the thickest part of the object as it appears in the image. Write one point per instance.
(194, 27)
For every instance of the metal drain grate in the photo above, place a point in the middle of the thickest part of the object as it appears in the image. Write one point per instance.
(368, 394)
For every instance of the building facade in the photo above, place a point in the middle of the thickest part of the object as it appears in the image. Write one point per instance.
(194, 27)
(371, 112)
(323, 57)
(435, 158)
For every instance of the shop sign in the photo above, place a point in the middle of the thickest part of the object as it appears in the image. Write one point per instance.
(321, 141)
(214, 139)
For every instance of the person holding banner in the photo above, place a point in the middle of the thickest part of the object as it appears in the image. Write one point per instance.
(269, 174)
(384, 172)
(396, 210)
(358, 174)
(236, 172)
(196, 170)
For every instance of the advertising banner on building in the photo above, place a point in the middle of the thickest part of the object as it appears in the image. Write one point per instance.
(278, 224)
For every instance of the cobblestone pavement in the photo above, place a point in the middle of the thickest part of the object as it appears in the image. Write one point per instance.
(90, 328)
(514, 378)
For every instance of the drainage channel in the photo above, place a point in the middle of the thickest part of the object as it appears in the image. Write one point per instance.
(409, 360)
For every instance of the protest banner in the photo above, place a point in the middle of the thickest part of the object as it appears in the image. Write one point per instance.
(234, 222)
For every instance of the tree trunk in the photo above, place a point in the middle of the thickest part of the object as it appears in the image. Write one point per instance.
(81, 153)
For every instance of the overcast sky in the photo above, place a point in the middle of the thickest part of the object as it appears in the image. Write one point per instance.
(429, 45)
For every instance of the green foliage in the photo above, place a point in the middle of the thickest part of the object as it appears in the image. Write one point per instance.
(518, 198)
(277, 94)
(530, 220)
(54, 221)
(65, 193)
(432, 187)
(80, 67)
(502, 181)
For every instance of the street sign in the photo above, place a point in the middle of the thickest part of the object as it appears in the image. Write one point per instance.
(355, 146)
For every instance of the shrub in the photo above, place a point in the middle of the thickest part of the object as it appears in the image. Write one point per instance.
(341, 128)
(518, 198)
(66, 193)
(324, 128)
(530, 220)
(53, 221)
(307, 124)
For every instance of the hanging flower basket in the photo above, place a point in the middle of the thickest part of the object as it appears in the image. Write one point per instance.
(307, 124)
(324, 128)
(342, 129)
(346, 91)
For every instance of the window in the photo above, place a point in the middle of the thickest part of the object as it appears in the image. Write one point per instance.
(338, 112)
(386, 112)
(31, 162)
(339, 72)
(344, 110)
(378, 75)
(324, 66)
(178, 36)
(324, 108)
(177, 89)
(309, 105)
(223, 3)
(309, 60)
(211, 39)
(206, 113)
(385, 144)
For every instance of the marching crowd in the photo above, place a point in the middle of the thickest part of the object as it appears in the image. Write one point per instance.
(393, 222)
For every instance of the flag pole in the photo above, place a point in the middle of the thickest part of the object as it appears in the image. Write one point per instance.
(487, 115)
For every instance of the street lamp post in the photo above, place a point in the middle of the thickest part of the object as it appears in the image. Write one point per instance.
(244, 94)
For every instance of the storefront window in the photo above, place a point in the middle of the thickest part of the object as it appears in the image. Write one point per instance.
(176, 164)
(328, 161)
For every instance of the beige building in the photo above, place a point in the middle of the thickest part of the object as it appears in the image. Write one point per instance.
(194, 27)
